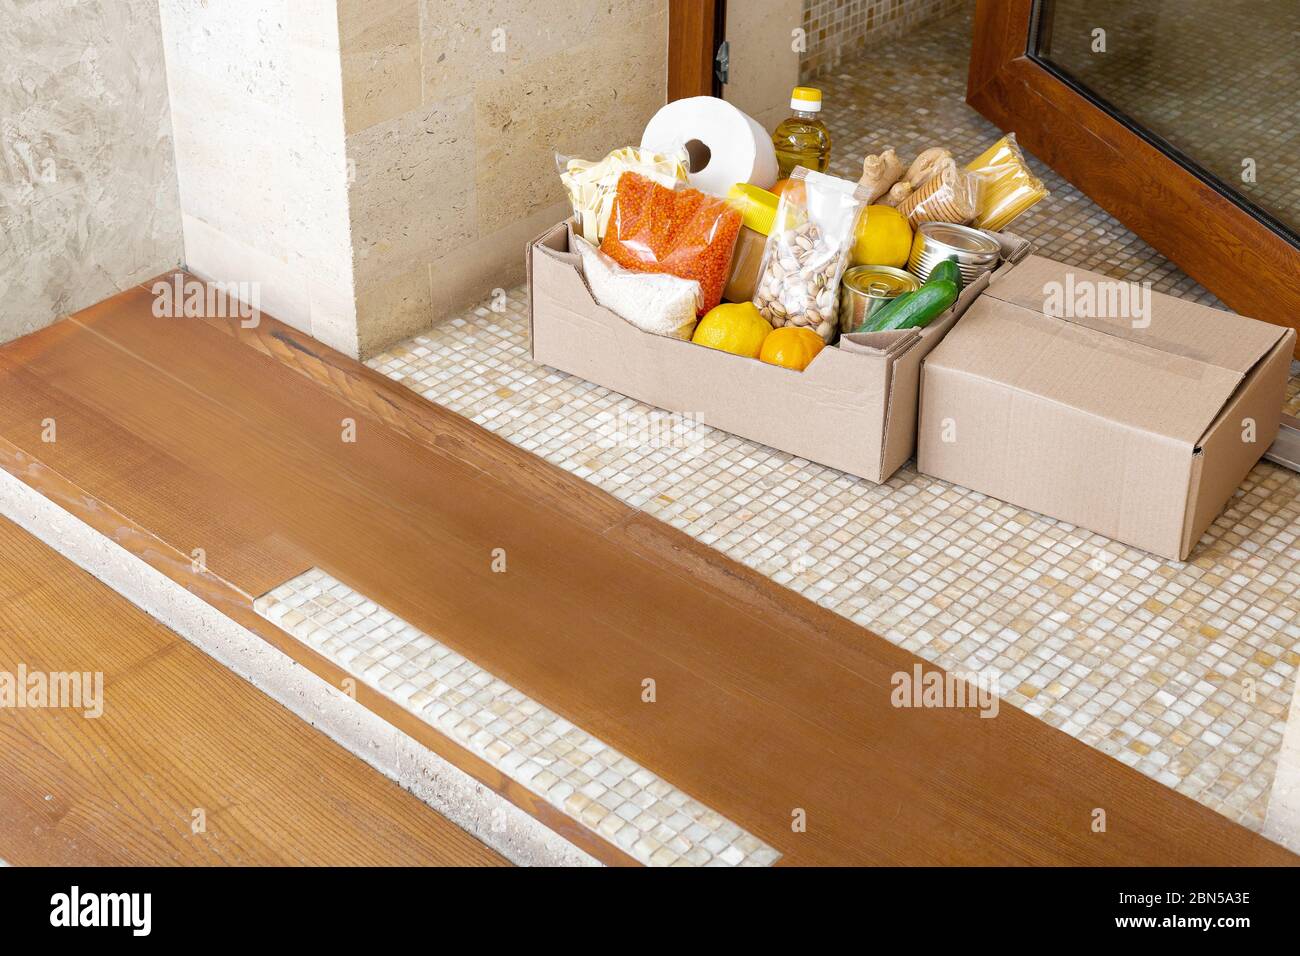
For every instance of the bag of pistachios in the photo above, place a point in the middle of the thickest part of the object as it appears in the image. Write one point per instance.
(807, 251)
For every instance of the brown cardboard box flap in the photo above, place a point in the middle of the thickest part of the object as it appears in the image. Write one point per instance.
(1111, 378)
(884, 343)
(1170, 374)
(1225, 456)
(1174, 326)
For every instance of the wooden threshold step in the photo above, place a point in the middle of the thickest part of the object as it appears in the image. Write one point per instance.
(267, 456)
(174, 759)
(599, 789)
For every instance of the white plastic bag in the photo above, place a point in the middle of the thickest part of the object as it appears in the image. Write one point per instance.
(655, 302)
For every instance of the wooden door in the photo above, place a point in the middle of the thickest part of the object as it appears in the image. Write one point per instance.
(695, 29)
(1202, 222)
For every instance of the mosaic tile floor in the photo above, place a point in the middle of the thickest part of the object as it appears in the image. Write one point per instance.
(1182, 670)
(837, 30)
(597, 786)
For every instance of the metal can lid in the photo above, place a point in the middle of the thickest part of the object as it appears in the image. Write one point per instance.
(882, 282)
(962, 238)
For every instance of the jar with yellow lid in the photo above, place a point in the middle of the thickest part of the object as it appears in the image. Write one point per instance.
(757, 211)
(803, 139)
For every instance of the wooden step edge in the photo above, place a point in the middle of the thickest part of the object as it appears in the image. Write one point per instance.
(235, 605)
(432, 425)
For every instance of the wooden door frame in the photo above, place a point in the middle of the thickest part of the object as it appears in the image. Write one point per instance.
(695, 28)
(1184, 215)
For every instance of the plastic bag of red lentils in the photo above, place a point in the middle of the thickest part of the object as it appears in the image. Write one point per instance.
(683, 232)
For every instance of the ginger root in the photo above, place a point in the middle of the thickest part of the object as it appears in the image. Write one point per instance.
(926, 165)
(897, 193)
(880, 172)
(886, 182)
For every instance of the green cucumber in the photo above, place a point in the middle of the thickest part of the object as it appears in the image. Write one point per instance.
(885, 311)
(947, 269)
(915, 310)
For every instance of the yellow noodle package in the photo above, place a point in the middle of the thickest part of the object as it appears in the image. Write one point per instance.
(1009, 187)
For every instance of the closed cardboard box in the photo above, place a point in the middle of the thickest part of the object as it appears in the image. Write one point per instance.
(1127, 412)
(854, 408)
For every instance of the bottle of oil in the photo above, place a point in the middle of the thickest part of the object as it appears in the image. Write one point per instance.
(802, 139)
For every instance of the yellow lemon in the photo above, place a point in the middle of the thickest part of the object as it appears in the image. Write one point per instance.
(791, 347)
(883, 238)
(736, 327)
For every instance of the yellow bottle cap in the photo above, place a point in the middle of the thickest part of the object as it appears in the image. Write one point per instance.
(806, 98)
(757, 206)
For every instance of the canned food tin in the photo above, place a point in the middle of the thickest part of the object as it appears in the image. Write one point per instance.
(866, 289)
(975, 252)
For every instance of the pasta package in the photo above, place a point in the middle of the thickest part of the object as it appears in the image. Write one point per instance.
(591, 185)
(1009, 186)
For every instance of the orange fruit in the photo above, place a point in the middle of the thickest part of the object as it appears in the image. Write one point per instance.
(791, 347)
(798, 193)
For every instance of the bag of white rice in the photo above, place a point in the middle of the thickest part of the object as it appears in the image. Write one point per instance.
(654, 302)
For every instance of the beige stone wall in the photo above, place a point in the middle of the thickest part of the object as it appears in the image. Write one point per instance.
(257, 109)
(368, 165)
(454, 109)
(88, 198)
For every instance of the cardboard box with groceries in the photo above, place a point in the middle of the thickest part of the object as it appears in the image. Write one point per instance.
(1130, 413)
(721, 292)
(1136, 416)
(854, 408)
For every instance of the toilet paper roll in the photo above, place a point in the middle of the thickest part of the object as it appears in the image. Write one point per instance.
(726, 145)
